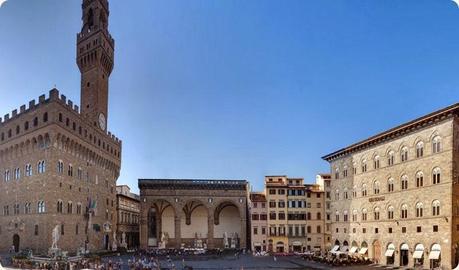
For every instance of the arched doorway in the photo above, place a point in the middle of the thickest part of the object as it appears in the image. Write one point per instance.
(418, 255)
(16, 242)
(106, 241)
(435, 256)
(377, 251)
(270, 245)
(404, 249)
(227, 220)
(280, 247)
(194, 224)
(364, 249)
(390, 257)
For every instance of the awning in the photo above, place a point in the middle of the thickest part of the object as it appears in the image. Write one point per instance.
(363, 250)
(418, 254)
(353, 250)
(389, 253)
(335, 248)
(280, 245)
(257, 244)
(297, 243)
(434, 255)
(344, 249)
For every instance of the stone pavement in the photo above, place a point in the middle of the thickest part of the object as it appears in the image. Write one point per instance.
(245, 262)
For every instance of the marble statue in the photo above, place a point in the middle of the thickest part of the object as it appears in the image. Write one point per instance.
(56, 234)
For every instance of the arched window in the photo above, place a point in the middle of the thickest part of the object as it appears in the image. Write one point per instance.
(376, 162)
(27, 209)
(59, 206)
(345, 194)
(41, 207)
(376, 213)
(6, 176)
(354, 192)
(354, 215)
(319, 216)
(35, 121)
(436, 208)
(376, 187)
(404, 211)
(336, 173)
(419, 149)
(436, 176)
(45, 117)
(17, 173)
(69, 208)
(436, 144)
(354, 168)
(364, 165)
(345, 216)
(364, 190)
(70, 171)
(337, 195)
(60, 166)
(345, 171)
(41, 166)
(404, 154)
(390, 185)
(390, 158)
(336, 216)
(404, 182)
(419, 179)
(390, 212)
(364, 214)
(28, 170)
(419, 210)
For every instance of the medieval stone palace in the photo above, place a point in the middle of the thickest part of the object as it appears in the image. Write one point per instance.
(58, 163)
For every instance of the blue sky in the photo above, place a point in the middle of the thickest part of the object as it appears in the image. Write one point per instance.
(236, 89)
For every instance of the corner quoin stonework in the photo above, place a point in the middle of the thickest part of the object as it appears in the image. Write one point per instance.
(191, 209)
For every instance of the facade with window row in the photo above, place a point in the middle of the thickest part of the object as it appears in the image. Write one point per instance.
(288, 216)
(395, 195)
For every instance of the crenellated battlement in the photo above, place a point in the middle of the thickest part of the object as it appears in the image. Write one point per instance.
(53, 97)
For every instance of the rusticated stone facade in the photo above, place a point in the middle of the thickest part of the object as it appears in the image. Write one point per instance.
(395, 195)
(193, 213)
(59, 167)
(128, 208)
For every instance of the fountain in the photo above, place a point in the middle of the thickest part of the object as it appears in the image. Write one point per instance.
(56, 256)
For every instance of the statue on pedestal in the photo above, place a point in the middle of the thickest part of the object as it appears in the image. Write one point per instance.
(56, 234)
(225, 240)
(114, 244)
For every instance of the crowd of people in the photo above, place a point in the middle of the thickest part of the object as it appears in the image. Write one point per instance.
(337, 260)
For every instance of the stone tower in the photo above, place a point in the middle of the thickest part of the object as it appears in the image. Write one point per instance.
(95, 48)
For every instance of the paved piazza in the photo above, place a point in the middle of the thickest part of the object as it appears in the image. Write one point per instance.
(243, 262)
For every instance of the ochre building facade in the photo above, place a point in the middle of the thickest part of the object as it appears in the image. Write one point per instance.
(395, 195)
(295, 216)
(58, 163)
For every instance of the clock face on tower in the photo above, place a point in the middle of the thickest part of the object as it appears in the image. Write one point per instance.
(102, 121)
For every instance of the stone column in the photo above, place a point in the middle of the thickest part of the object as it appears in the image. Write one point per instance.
(178, 233)
(210, 230)
(243, 236)
(143, 231)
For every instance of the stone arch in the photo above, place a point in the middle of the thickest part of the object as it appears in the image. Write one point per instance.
(227, 219)
(195, 220)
